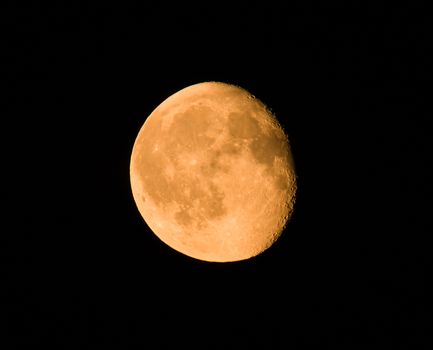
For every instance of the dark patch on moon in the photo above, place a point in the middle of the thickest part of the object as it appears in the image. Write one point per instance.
(208, 204)
(150, 173)
(213, 164)
(242, 125)
(281, 182)
(188, 130)
(183, 218)
(213, 205)
(231, 148)
(265, 148)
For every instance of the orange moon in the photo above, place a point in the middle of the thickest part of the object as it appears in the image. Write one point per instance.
(212, 173)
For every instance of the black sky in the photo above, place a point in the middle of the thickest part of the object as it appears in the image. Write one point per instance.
(80, 268)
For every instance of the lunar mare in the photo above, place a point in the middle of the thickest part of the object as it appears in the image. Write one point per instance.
(212, 173)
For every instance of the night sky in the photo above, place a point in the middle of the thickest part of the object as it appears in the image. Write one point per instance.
(80, 268)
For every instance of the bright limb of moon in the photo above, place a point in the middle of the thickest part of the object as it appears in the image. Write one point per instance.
(212, 173)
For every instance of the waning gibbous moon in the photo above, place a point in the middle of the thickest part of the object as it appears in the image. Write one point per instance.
(212, 173)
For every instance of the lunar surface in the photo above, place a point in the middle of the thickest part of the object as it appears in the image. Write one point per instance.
(212, 173)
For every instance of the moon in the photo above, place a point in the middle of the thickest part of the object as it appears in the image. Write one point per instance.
(212, 173)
